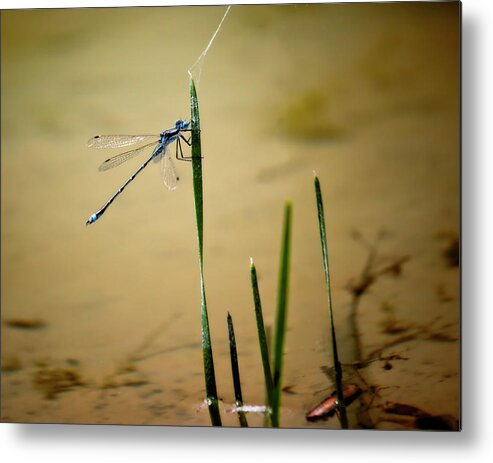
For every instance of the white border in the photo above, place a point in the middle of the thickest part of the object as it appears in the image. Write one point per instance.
(19, 4)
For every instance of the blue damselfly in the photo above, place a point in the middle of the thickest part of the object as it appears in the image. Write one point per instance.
(159, 153)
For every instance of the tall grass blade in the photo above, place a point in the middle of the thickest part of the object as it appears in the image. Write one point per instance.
(210, 379)
(236, 372)
(262, 339)
(325, 256)
(281, 315)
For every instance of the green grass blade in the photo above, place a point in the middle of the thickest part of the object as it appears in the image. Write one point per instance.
(281, 315)
(325, 257)
(197, 168)
(210, 379)
(262, 339)
(236, 371)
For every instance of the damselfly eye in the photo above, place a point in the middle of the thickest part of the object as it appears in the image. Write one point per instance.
(178, 123)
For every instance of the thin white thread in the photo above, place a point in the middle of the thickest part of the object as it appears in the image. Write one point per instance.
(202, 55)
(250, 409)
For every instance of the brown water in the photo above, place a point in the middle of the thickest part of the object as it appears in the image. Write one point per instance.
(365, 95)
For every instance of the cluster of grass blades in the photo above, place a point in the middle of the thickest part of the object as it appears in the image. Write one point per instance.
(272, 375)
(273, 383)
(273, 379)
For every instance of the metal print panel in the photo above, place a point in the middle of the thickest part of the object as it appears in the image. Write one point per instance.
(290, 257)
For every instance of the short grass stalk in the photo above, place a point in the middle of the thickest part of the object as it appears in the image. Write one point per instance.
(262, 339)
(281, 316)
(236, 372)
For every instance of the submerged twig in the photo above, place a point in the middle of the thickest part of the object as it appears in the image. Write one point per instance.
(368, 277)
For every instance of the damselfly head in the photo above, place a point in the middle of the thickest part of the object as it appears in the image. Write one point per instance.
(182, 125)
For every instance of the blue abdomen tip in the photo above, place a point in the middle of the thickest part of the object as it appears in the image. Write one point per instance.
(92, 219)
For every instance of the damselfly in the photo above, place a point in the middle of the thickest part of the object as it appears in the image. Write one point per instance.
(159, 153)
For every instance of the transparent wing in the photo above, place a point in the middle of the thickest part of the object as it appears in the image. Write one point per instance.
(121, 158)
(117, 141)
(168, 171)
